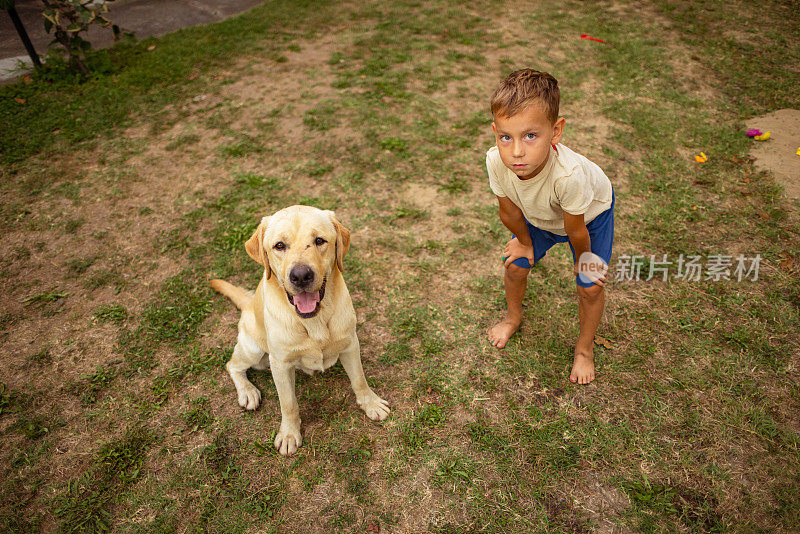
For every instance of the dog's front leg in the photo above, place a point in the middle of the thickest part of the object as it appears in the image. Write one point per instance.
(375, 407)
(288, 439)
(244, 354)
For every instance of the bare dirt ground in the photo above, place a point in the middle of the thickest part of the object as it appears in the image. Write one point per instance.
(779, 154)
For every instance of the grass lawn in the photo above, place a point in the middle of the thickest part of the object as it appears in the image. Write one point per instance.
(123, 194)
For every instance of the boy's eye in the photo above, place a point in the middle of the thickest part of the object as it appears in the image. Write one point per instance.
(505, 137)
(319, 241)
(530, 136)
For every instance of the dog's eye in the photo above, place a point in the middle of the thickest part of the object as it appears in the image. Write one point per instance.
(280, 245)
(319, 241)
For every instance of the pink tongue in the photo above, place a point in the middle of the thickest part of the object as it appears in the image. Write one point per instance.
(306, 302)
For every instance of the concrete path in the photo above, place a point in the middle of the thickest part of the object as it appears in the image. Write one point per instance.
(143, 17)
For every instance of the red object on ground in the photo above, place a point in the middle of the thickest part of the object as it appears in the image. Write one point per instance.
(586, 36)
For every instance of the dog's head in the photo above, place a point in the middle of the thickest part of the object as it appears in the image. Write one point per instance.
(300, 246)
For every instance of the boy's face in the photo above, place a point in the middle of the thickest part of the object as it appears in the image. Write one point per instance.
(524, 140)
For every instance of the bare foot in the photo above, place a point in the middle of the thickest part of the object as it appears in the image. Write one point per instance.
(500, 333)
(582, 366)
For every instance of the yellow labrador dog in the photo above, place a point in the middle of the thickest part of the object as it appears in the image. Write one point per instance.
(300, 316)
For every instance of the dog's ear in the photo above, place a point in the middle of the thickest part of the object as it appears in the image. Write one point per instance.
(342, 240)
(255, 246)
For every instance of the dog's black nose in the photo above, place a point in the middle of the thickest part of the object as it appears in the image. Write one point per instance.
(301, 275)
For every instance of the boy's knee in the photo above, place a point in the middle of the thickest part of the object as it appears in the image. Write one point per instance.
(515, 272)
(591, 293)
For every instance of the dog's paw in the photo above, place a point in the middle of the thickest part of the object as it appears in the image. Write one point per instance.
(375, 407)
(288, 440)
(249, 397)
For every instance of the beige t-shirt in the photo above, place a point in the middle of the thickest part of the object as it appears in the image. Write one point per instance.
(568, 181)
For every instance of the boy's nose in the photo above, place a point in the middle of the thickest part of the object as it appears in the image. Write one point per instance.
(518, 149)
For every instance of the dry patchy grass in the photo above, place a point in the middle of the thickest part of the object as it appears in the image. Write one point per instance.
(114, 373)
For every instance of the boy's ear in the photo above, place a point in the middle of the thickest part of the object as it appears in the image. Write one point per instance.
(342, 240)
(255, 246)
(558, 130)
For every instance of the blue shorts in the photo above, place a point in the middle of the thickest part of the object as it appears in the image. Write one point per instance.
(601, 233)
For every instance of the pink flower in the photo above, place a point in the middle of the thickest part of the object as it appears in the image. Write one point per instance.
(752, 132)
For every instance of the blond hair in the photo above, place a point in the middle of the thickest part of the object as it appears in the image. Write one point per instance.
(524, 87)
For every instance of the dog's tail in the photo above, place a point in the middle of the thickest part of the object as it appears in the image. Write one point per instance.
(239, 295)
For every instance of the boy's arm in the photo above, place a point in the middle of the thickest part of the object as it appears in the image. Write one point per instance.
(577, 233)
(579, 238)
(514, 220)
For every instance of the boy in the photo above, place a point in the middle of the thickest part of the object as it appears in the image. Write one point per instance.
(548, 194)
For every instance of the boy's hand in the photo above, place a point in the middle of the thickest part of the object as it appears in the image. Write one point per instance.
(514, 249)
(600, 281)
(592, 268)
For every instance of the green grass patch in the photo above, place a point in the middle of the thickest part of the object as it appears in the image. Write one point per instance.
(180, 308)
(182, 141)
(44, 298)
(85, 504)
(244, 146)
(90, 385)
(199, 416)
(111, 313)
(652, 502)
(322, 117)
